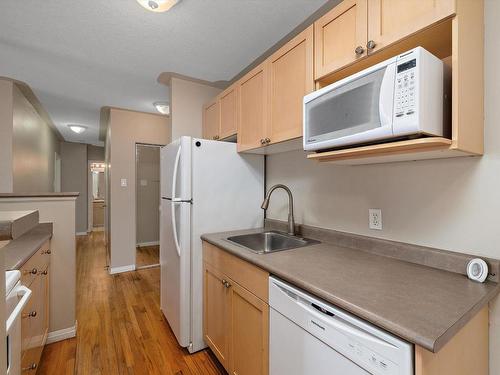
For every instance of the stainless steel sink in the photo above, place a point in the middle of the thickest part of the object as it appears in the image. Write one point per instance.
(270, 241)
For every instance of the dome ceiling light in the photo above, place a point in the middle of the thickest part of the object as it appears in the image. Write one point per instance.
(157, 6)
(78, 129)
(162, 107)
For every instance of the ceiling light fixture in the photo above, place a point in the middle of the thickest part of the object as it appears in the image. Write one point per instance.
(78, 129)
(157, 6)
(162, 107)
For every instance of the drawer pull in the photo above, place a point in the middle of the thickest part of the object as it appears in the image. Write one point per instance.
(31, 367)
(31, 314)
(46, 252)
(45, 272)
(227, 285)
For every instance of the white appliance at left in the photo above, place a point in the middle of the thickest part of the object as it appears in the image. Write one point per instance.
(16, 298)
(206, 186)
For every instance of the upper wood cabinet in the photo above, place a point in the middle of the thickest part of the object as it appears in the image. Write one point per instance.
(220, 117)
(211, 120)
(290, 78)
(252, 108)
(270, 96)
(389, 20)
(340, 36)
(228, 102)
(356, 28)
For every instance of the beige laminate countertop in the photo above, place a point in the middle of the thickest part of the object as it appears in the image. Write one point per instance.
(18, 251)
(423, 305)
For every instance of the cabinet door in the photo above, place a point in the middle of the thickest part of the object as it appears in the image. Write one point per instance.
(249, 332)
(211, 120)
(391, 20)
(215, 323)
(252, 109)
(338, 34)
(228, 112)
(290, 78)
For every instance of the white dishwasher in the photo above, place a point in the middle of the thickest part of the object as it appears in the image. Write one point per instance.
(311, 337)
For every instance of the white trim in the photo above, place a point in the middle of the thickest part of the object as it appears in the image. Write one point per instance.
(151, 243)
(81, 233)
(62, 334)
(115, 270)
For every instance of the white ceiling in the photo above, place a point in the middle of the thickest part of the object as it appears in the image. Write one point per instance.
(79, 56)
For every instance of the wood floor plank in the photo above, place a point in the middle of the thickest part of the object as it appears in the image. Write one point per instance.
(121, 329)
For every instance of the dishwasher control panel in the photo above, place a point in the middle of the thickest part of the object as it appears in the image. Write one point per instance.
(374, 361)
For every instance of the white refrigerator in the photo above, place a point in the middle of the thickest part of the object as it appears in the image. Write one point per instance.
(206, 186)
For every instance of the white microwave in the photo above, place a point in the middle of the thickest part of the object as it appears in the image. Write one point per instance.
(400, 97)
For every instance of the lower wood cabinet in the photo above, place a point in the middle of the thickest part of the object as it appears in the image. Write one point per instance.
(236, 312)
(35, 316)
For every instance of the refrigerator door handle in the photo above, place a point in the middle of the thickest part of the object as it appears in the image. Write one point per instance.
(174, 177)
(174, 229)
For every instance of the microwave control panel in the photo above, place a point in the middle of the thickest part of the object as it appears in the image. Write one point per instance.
(406, 88)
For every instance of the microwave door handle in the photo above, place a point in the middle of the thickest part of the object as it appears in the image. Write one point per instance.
(386, 97)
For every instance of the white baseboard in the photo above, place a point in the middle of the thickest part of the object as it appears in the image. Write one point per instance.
(61, 334)
(152, 243)
(115, 270)
(81, 233)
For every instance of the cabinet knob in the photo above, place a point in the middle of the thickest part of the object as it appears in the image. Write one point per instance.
(34, 271)
(371, 44)
(267, 140)
(359, 50)
(31, 314)
(47, 252)
(227, 285)
(45, 272)
(262, 141)
(31, 367)
(223, 281)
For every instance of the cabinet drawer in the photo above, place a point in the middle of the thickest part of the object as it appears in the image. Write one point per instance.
(251, 277)
(36, 264)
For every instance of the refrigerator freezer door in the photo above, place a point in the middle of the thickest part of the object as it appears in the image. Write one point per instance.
(175, 263)
(175, 170)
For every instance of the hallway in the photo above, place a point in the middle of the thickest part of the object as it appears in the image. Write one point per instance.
(121, 329)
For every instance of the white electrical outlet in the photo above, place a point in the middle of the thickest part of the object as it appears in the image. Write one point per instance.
(375, 218)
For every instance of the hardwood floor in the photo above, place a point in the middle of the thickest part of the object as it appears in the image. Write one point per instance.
(147, 255)
(121, 329)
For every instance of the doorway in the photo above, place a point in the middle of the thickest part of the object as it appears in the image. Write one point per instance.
(147, 211)
(96, 195)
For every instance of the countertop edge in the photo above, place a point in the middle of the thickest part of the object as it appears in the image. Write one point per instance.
(40, 195)
(42, 237)
(408, 335)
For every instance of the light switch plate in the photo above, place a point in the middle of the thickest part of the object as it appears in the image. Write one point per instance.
(123, 182)
(375, 218)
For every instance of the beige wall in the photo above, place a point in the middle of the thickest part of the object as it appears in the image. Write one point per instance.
(128, 128)
(449, 204)
(60, 212)
(148, 195)
(27, 144)
(34, 147)
(74, 179)
(6, 106)
(187, 99)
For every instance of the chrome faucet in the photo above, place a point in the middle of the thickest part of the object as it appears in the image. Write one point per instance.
(265, 205)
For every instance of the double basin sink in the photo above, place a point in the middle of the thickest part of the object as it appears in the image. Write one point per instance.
(270, 241)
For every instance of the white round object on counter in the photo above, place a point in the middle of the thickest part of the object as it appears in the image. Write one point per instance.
(477, 270)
